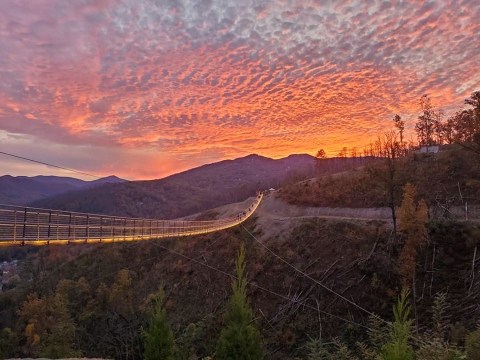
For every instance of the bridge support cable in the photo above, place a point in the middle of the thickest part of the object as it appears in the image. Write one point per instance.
(325, 287)
(33, 226)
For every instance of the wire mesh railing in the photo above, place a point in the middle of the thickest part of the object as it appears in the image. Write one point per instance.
(33, 226)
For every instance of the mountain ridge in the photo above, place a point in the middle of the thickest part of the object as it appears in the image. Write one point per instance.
(191, 191)
(22, 190)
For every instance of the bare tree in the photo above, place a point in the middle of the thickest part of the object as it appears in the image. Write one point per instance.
(387, 147)
(343, 153)
(425, 126)
(391, 150)
(400, 126)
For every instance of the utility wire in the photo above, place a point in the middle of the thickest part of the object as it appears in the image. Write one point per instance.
(284, 297)
(210, 267)
(260, 287)
(311, 278)
(48, 164)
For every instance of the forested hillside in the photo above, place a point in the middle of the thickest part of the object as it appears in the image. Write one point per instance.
(447, 179)
(188, 192)
(94, 300)
(22, 190)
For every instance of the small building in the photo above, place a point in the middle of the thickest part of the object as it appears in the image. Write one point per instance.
(432, 149)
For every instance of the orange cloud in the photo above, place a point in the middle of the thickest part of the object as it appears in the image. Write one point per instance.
(190, 82)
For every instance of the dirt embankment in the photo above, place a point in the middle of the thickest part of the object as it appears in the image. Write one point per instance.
(276, 217)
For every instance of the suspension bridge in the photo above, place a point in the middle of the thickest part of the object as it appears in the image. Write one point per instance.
(33, 226)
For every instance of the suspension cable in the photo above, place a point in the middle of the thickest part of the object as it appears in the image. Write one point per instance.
(311, 278)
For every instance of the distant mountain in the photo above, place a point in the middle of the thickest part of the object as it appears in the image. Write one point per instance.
(21, 190)
(112, 179)
(188, 192)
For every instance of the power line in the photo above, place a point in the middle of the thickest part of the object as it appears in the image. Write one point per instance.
(311, 278)
(210, 267)
(261, 287)
(48, 164)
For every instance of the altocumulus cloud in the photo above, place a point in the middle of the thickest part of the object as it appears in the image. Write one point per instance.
(205, 80)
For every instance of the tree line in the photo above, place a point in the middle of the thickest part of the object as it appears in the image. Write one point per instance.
(431, 128)
(240, 339)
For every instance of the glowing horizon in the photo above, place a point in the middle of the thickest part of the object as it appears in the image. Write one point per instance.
(143, 90)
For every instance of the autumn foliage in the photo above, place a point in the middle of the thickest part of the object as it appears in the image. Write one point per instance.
(413, 220)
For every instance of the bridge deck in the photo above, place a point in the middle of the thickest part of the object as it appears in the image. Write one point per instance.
(32, 226)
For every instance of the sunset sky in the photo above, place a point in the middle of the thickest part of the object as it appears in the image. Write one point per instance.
(143, 89)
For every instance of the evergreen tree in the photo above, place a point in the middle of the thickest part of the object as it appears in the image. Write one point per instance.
(342, 351)
(8, 343)
(239, 339)
(472, 345)
(316, 350)
(159, 342)
(474, 100)
(377, 336)
(433, 344)
(398, 348)
(440, 318)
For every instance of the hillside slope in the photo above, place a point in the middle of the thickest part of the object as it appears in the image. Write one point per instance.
(21, 190)
(275, 218)
(188, 192)
(446, 180)
(108, 286)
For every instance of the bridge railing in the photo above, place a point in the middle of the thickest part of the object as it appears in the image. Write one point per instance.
(33, 226)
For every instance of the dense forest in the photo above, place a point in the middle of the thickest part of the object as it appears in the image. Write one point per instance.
(97, 300)
(332, 289)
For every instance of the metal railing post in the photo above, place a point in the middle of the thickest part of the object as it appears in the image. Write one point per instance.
(58, 228)
(113, 229)
(74, 232)
(14, 225)
(24, 226)
(38, 225)
(49, 224)
(69, 226)
(87, 229)
(101, 228)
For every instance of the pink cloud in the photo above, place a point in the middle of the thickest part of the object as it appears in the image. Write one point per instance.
(197, 81)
